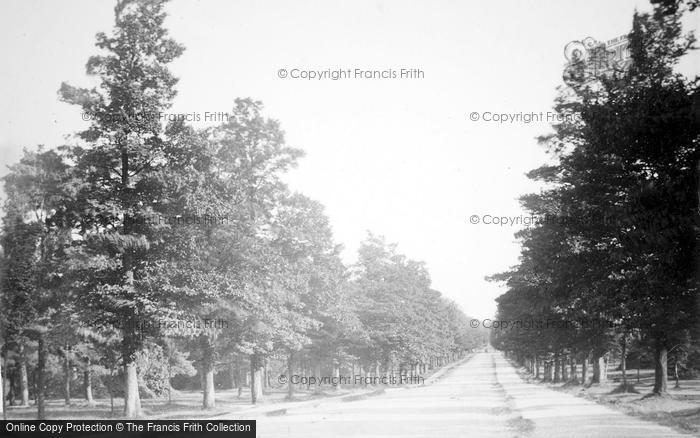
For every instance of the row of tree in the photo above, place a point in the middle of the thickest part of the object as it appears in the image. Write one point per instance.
(91, 283)
(616, 272)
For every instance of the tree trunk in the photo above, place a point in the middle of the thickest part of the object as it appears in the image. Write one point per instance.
(623, 362)
(564, 370)
(87, 382)
(598, 369)
(111, 391)
(317, 370)
(606, 362)
(255, 379)
(675, 373)
(132, 401)
(66, 380)
(240, 378)
(23, 380)
(264, 374)
(268, 375)
(584, 371)
(595, 378)
(557, 368)
(11, 384)
(537, 366)
(259, 386)
(336, 375)
(232, 375)
(170, 386)
(573, 377)
(290, 371)
(660, 368)
(2, 391)
(544, 371)
(41, 379)
(208, 400)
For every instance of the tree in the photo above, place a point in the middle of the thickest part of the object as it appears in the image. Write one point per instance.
(120, 171)
(407, 322)
(616, 250)
(311, 273)
(35, 242)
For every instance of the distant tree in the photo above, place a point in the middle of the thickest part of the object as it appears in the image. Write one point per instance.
(407, 323)
(311, 272)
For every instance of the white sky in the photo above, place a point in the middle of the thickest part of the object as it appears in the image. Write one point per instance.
(398, 157)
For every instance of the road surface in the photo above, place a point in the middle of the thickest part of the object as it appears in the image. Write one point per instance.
(483, 397)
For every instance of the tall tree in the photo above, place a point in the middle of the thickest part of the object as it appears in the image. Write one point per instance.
(623, 194)
(35, 241)
(120, 169)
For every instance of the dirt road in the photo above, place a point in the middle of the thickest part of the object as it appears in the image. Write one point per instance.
(483, 397)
